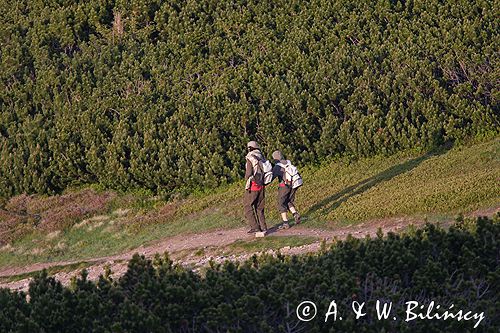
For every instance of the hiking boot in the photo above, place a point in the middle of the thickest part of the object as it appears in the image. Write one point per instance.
(252, 231)
(283, 226)
(296, 217)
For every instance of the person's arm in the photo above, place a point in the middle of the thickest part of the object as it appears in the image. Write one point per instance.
(248, 170)
(248, 175)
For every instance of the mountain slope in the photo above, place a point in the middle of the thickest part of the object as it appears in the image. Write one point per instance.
(83, 224)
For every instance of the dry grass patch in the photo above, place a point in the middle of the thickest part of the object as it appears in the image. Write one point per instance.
(23, 214)
(53, 234)
(162, 214)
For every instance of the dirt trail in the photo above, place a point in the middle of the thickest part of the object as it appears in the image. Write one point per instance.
(219, 238)
(210, 241)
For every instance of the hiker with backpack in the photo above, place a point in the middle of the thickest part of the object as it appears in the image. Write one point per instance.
(258, 173)
(289, 182)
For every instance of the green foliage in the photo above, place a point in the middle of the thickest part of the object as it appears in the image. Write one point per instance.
(396, 190)
(268, 242)
(164, 95)
(458, 266)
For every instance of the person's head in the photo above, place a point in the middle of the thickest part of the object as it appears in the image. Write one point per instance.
(277, 155)
(251, 145)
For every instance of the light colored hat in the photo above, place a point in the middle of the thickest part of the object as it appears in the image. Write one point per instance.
(253, 144)
(277, 155)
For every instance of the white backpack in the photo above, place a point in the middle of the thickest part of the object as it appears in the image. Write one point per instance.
(263, 166)
(292, 176)
(267, 169)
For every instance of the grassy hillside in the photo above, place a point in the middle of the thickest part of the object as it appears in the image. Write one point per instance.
(87, 223)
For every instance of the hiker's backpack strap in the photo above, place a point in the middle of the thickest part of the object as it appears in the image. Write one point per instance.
(286, 176)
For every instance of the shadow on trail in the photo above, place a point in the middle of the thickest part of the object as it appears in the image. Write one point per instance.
(330, 203)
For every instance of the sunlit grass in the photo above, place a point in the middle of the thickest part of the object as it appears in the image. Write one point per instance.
(270, 242)
(432, 186)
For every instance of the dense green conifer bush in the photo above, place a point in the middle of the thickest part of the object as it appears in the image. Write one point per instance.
(458, 266)
(163, 95)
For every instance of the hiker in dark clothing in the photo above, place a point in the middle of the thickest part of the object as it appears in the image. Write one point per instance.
(286, 192)
(253, 200)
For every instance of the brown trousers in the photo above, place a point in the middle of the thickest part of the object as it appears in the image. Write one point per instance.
(286, 198)
(254, 202)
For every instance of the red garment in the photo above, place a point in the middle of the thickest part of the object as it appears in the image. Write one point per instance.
(281, 184)
(255, 187)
